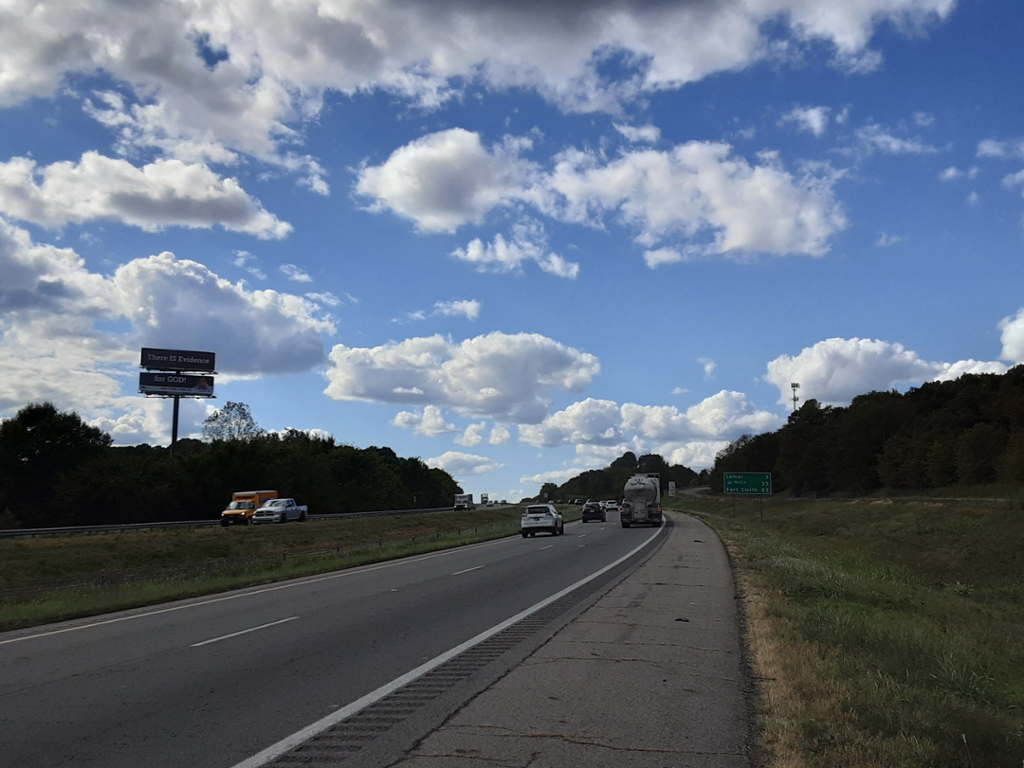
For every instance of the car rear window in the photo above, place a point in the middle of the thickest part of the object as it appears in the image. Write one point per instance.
(537, 511)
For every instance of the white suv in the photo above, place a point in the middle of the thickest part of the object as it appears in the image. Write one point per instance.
(541, 517)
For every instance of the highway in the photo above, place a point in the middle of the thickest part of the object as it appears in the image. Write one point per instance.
(216, 680)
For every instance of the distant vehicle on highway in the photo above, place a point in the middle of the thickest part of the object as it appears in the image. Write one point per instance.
(243, 506)
(280, 511)
(463, 502)
(541, 517)
(592, 510)
(642, 502)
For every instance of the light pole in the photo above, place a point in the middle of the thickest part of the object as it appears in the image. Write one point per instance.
(795, 386)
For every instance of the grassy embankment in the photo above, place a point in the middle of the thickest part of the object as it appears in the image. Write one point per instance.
(883, 633)
(49, 579)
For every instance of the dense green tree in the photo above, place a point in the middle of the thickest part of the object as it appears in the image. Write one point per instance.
(36, 446)
(232, 422)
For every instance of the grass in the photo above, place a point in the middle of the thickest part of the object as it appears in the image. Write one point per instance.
(55, 578)
(883, 633)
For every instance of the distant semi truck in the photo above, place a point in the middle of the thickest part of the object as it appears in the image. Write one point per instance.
(641, 500)
(464, 502)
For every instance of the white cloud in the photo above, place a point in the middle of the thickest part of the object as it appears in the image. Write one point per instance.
(725, 415)
(812, 119)
(697, 455)
(648, 134)
(836, 370)
(463, 464)
(528, 243)
(589, 421)
(953, 371)
(679, 391)
(295, 274)
(501, 376)
(499, 435)
(326, 297)
(1001, 149)
(709, 367)
(714, 201)
(429, 422)
(876, 137)
(54, 345)
(1012, 337)
(885, 240)
(473, 435)
(950, 174)
(469, 309)
(556, 476)
(162, 194)
(276, 60)
(656, 258)
(923, 119)
(446, 179)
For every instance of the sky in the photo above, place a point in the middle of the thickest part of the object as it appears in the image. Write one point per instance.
(513, 239)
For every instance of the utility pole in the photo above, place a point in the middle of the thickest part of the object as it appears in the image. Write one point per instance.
(795, 386)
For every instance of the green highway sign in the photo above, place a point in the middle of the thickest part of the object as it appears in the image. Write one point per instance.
(748, 483)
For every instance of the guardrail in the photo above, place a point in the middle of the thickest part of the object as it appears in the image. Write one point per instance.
(92, 529)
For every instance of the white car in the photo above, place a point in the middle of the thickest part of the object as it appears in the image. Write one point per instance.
(541, 517)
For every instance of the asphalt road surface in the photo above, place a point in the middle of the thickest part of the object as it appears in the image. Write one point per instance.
(216, 680)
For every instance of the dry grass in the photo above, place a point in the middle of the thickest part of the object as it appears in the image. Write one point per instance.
(865, 653)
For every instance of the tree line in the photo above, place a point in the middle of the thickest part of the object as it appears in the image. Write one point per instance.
(56, 470)
(968, 432)
(608, 483)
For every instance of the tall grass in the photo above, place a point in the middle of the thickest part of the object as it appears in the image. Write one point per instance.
(51, 579)
(883, 634)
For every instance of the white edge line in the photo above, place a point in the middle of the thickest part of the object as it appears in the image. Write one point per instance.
(290, 742)
(243, 632)
(474, 568)
(282, 585)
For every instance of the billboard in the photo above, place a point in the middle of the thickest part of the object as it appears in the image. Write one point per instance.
(178, 360)
(175, 384)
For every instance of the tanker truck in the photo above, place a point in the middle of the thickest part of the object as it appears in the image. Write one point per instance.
(641, 500)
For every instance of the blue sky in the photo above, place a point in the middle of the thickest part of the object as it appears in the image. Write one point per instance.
(515, 240)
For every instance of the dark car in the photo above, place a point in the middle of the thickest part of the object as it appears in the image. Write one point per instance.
(593, 510)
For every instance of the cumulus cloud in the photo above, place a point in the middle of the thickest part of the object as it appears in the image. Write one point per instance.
(162, 194)
(885, 240)
(836, 370)
(951, 371)
(697, 455)
(210, 80)
(506, 377)
(716, 202)
(589, 421)
(725, 415)
(446, 179)
(469, 309)
(463, 464)
(55, 343)
(656, 258)
(429, 422)
(473, 435)
(499, 435)
(812, 119)
(709, 365)
(604, 423)
(700, 193)
(557, 476)
(528, 243)
(1012, 337)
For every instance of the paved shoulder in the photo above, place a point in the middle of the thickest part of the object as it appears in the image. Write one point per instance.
(649, 676)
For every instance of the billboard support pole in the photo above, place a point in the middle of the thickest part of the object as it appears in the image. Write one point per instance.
(174, 422)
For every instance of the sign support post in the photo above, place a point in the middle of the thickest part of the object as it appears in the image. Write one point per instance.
(174, 422)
